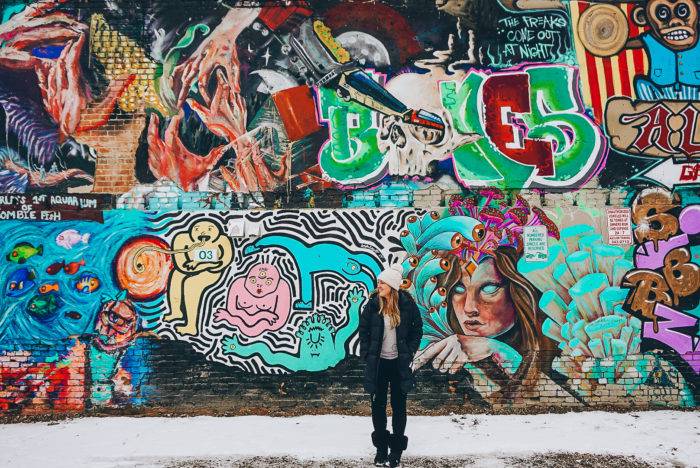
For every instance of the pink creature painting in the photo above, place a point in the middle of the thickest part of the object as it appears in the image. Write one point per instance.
(258, 302)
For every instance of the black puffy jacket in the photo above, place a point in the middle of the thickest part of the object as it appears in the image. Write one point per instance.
(408, 336)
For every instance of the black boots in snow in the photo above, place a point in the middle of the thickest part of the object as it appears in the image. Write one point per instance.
(397, 444)
(381, 441)
(385, 441)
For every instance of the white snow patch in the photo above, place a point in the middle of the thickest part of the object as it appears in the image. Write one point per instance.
(656, 436)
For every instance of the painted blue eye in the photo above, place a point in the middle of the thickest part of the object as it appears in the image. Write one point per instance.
(490, 288)
(460, 289)
(663, 13)
(682, 11)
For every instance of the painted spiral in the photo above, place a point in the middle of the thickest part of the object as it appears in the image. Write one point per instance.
(142, 267)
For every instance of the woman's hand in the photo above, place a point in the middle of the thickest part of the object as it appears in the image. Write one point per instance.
(453, 352)
(216, 52)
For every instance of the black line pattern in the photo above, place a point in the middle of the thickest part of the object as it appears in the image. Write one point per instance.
(372, 232)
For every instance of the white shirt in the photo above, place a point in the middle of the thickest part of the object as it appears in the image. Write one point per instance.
(389, 350)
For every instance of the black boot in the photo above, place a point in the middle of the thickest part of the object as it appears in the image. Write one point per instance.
(381, 441)
(397, 444)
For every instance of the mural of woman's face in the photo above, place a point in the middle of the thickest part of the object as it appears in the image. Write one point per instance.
(481, 302)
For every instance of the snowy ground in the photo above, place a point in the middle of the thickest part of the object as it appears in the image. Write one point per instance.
(659, 438)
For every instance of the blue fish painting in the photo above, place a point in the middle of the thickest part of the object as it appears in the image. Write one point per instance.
(20, 282)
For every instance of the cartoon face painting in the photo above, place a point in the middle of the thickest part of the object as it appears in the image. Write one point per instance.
(205, 231)
(258, 302)
(262, 280)
(672, 22)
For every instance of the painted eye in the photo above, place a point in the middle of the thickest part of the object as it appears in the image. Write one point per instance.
(253, 280)
(490, 289)
(445, 264)
(682, 11)
(460, 289)
(478, 232)
(406, 283)
(663, 13)
(268, 282)
(413, 261)
(456, 240)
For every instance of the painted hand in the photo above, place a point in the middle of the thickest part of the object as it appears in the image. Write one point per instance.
(250, 172)
(229, 345)
(36, 25)
(453, 352)
(61, 87)
(216, 53)
(64, 94)
(355, 296)
(60, 80)
(225, 114)
(168, 157)
(223, 315)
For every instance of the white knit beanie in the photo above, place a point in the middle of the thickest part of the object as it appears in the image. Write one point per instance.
(392, 276)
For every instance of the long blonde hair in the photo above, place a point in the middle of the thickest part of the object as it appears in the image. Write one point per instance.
(390, 307)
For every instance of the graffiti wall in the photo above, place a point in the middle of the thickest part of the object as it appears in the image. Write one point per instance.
(103, 96)
(514, 298)
(197, 197)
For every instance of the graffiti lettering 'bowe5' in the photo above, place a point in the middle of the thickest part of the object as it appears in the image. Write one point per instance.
(533, 127)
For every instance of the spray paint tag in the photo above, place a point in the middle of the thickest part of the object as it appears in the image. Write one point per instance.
(206, 255)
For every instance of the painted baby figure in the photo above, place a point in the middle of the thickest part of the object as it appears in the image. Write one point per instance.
(257, 302)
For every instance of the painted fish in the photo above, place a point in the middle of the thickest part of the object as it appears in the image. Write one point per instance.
(74, 315)
(20, 282)
(54, 268)
(87, 283)
(73, 267)
(48, 287)
(70, 237)
(43, 306)
(24, 251)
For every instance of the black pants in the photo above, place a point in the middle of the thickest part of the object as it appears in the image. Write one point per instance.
(388, 373)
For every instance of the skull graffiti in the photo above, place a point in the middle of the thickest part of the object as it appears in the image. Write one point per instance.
(410, 149)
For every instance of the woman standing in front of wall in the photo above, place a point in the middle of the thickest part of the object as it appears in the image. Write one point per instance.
(390, 332)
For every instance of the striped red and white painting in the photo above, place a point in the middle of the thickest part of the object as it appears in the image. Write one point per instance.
(605, 77)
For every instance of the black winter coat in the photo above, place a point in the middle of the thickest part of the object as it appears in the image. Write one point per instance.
(408, 336)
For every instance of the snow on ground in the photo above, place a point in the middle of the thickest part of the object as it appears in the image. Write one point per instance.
(659, 437)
